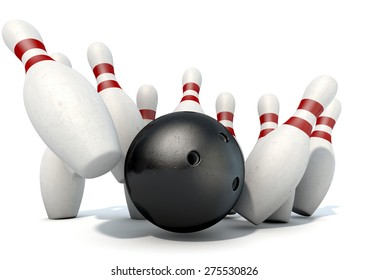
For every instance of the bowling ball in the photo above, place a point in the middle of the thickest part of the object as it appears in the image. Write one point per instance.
(184, 171)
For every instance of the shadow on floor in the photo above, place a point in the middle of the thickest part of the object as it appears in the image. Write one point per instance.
(117, 223)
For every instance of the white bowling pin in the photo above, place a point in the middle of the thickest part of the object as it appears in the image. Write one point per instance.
(318, 176)
(275, 166)
(61, 188)
(225, 108)
(63, 106)
(124, 112)
(268, 112)
(191, 81)
(147, 100)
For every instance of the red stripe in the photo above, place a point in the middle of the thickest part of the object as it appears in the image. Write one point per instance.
(300, 123)
(326, 121)
(264, 132)
(33, 60)
(107, 84)
(190, 97)
(148, 114)
(312, 106)
(191, 86)
(322, 134)
(102, 69)
(231, 130)
(228, 116)
(269, 117)
(26, 45)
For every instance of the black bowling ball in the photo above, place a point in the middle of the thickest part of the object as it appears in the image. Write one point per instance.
(184, 171)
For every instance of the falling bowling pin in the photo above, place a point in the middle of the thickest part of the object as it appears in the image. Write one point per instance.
(124, 113)
(268, 112)
(64, 108)
(275, 166)
(61, 188)
(191, 81)
(318, 176)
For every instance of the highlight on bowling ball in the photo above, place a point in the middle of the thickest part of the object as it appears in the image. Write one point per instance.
(184, 171)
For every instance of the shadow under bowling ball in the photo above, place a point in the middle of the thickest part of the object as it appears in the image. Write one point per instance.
(184, 171)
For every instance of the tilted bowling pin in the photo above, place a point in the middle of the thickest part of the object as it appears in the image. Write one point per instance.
(63, 107)
(124, 112)
(61, 188)
(191, 81)
(147, 100)
(318, 176)
(225, 108)
(268, 112)
(275, 166)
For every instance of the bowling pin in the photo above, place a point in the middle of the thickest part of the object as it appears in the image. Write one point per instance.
(268, 112)
(63, 107)
(61, 188)
(147, 100)
(191, 81)
(225, 108)
(124, 112)
(318, 176)
(275, 166)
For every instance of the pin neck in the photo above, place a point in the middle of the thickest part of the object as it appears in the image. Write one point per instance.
(311, 106)
(27, 44)
(326, 121)
(322, 134)
(107, 84)
(191, 86)
(269, 117)
(103, 68)
(190, 98)
(228, 116)
(300, 123)
(148, 114)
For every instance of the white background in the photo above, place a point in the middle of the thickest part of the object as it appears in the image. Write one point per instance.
(245, 47)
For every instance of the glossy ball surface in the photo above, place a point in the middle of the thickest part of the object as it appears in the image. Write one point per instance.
(184, 171)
